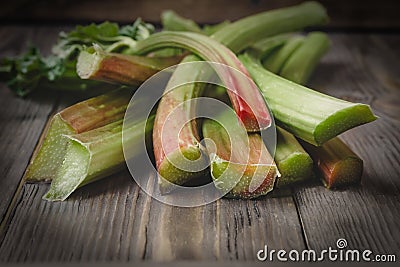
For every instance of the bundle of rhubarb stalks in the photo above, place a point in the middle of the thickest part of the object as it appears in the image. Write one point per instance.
(84, 142)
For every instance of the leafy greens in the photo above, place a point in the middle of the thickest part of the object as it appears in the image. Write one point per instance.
(32, 70)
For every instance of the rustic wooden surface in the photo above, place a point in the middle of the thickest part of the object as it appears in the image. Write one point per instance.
(113, 220)
(381, 14)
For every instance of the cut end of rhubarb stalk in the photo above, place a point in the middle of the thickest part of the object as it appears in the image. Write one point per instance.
(50, 156)
(262, 175)
(296, 168)
(239, 173)
(71, 174)
(90, 156)
(95, 154)
(337, 164)
(340, 121)
(255, 119)
(169, 172)
(294, 163)
(347, 171)
(308, 114)
(83, 116)
(89, 62)
(96, 64)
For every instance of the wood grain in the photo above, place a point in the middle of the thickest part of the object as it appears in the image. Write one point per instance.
(21, 120)
(112, 220)
(366, 216)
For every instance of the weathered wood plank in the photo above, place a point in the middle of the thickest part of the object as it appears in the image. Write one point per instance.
(22, 120)
(225, 230)
(114, 220)
(366, 216)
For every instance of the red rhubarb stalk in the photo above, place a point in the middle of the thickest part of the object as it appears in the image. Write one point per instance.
(245, 96)
(337, 163)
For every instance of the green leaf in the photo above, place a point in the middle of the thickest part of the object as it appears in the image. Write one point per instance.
(139, 30)
(26, 72)
(23, 74)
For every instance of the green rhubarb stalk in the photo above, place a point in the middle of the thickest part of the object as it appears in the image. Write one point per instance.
(93, 155)
(270, 23)
(276, 61)
(81, 117)
(337, 164)
(173, 22)
(267, 46)
(310, 115)
(303, 61)
(294, 163)
(211, 29)
(247, 172)
(96, 64)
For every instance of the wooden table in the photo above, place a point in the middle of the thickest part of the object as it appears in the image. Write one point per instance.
(113, 220)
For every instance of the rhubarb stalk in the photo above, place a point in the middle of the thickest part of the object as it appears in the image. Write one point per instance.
(173, 22)
(241, 165)
(310, 115)
(276, 61)
(81, 117)
(338, 165)
(267, 46)
(93, 155)
(303, 61)
(96, 64)
(244, 94)
(294, 164)
(174, 133)
(270, 23)
(251, 29)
